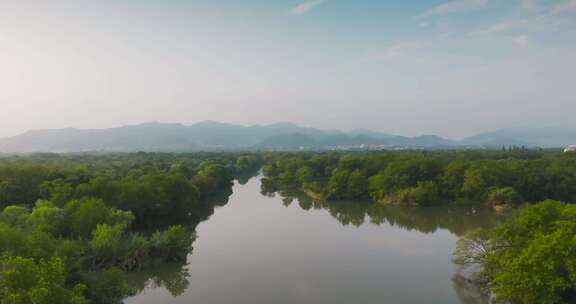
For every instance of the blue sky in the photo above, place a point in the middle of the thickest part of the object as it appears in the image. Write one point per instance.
(452, 68)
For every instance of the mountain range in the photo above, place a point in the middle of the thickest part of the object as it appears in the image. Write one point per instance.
(211, 136)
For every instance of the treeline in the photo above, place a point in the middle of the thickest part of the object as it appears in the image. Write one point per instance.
(72, 225)
(498, 178)
(454, 218)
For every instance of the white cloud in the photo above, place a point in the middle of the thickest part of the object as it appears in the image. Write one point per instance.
(454, 6)
(549, 7)
(528, 4)
(569, 5)
(305, 7)
(397, 50)
(521, 40)
(545, 22)
(500, 27)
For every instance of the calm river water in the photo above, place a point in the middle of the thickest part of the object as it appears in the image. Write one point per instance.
(278, 249)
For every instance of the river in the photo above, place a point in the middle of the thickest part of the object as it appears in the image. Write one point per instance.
(280, 249)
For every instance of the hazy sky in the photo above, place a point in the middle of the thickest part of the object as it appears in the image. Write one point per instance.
(409, 67)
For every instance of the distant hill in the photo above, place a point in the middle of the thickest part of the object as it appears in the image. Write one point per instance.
(288, 142)
(211, 136)
(207, 135)
(542, 137)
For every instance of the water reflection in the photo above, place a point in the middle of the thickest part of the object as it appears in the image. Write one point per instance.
(174, 277)
(467, 292)
(456, 219)
(283, 247)
(220, 199)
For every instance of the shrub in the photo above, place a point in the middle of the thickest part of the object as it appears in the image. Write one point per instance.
(424, 194)
(504, 196)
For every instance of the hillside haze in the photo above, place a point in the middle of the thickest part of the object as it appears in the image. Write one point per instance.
(211, 136)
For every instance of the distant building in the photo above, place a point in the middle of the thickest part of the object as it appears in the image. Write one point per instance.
(571, 148)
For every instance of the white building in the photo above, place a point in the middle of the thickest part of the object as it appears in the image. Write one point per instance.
(571, 148)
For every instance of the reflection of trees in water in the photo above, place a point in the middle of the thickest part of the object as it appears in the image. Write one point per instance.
(347, 213)
(220, 199)
(244, 177)
(456, 219)
(206, 209)
(267, 187)
(468, 292)
(173, 277)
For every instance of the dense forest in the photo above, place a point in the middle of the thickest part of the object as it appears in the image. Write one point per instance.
(72, 226)
(502, 179)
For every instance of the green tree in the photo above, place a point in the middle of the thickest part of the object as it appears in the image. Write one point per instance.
(85, 214)
(12, 239)
(357, 184)
(504, 196)
(338, 184)
(304, 175)
(175, 243)
(424, 194)
(15, 216)
(45, 217)
(107, 286)
(107, 244)
(530, 258)
(23, 281)
(377, 187)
